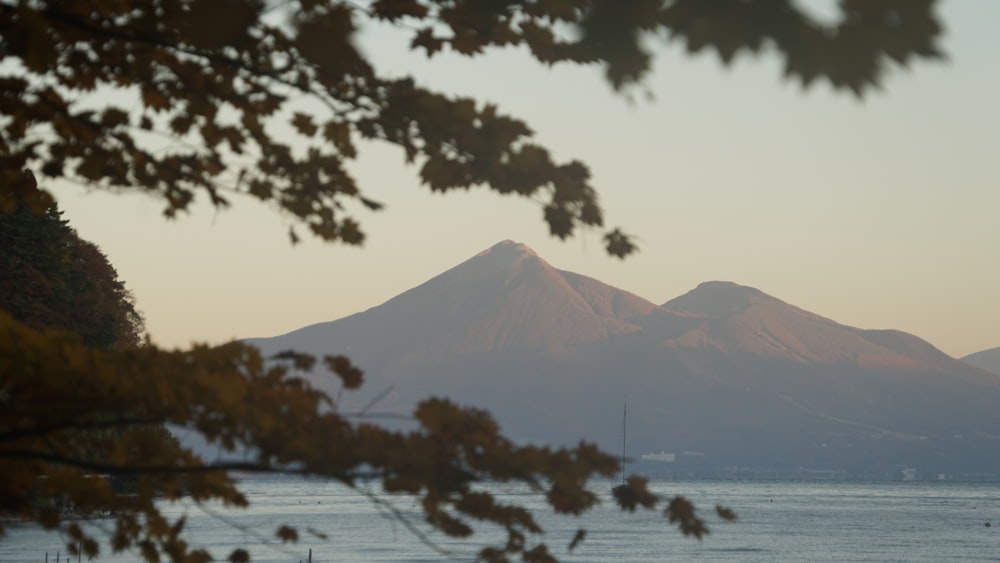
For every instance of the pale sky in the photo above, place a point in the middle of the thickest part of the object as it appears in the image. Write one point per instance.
(881, 213)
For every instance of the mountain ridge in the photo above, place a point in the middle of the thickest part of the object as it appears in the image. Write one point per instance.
(724, 369)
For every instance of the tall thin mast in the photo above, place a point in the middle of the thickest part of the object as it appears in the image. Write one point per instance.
(624, 423)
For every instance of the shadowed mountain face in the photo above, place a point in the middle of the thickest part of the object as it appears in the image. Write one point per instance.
(723, 376)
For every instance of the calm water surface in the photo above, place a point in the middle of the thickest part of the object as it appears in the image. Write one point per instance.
(791, 521)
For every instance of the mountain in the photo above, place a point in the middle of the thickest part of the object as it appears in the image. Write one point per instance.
(505, 298)
(722, 378)
(988, 360)
(501, 330)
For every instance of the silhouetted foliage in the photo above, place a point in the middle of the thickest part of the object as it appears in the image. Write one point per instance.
(218, 78)
(51, 278)
(207, 101)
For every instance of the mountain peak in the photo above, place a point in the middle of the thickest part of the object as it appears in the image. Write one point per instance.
(508, 248)
(717, 299)
(503, 298)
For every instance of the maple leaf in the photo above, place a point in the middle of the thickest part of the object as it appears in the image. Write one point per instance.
(304, 124)
(393, 10)
(425, 39)
(287, 534)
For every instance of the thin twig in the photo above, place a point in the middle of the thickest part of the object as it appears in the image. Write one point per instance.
(377, 398)
(398, 516)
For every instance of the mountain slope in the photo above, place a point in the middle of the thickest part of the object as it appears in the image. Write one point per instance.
(988, 360)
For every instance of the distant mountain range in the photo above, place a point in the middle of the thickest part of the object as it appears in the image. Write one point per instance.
(722, 379)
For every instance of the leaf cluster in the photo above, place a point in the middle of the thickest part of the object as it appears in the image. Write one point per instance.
(273, 99)
(57, 395)
(853, 52)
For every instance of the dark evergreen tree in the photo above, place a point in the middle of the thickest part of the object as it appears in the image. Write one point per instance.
(50, 278)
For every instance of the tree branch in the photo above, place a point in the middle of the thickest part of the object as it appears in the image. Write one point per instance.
(217, 58)
(221, 466)
(69, 424)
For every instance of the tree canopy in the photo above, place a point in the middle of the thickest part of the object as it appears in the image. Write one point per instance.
(51, 278)
(177, 98)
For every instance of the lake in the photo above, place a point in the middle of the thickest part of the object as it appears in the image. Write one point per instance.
(800, 521)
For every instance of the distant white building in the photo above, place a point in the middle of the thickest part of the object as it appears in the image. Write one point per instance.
(668, 457)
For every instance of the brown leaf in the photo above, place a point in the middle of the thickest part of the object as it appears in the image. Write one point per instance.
(287, 534)
(304, 124)
(301, 362)
(619, 244)
(680, 511)
(351, 376)
(633, 494)
(725, 513)
(426, 40)
(393, 10)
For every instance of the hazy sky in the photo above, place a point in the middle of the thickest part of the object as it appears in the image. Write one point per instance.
(881, 213)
